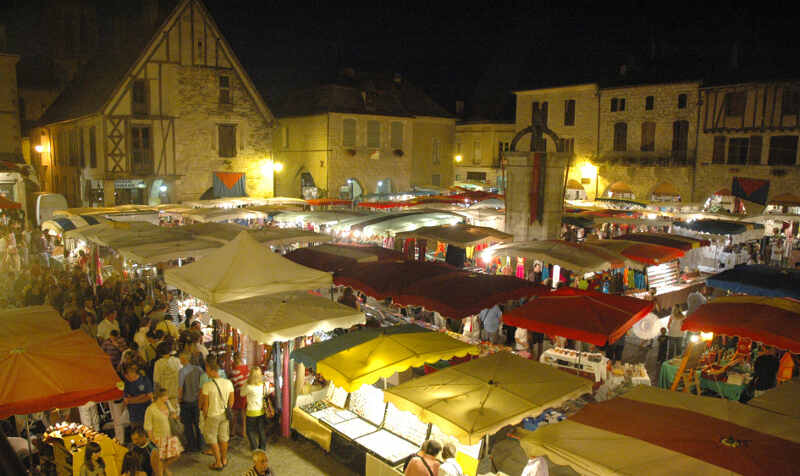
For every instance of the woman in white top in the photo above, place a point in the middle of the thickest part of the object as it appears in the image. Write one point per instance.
(255, 392)
(156, 424)
(450, 466)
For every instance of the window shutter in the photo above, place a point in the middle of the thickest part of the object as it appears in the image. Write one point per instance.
(373, 134)
(718, 156)
(754, 154)
(215, 139)
(648, 136)
(349, 132)
(620, 137)
(397, 135)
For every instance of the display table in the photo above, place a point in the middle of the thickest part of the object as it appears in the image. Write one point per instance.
(723, 389)
(592, 363)
(311, 428)
(376, 467)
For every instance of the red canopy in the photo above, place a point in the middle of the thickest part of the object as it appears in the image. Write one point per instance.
(332, 258)
(769, 320)
(665, 239)
(383, 280)
(53, 371)
(458, 295)
(646, 253)
(587, 316)
(7, 204)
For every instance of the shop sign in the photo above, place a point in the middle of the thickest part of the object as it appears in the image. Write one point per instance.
(128, 184)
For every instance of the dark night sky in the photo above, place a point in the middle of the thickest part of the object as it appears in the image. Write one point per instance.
(481, 53)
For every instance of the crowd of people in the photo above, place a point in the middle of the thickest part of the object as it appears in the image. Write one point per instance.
(177, 397)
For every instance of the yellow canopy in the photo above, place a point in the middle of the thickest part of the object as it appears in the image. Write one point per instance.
(481, 396)
(781, 399)
(590, 450)
(32, 320)
(386, 354)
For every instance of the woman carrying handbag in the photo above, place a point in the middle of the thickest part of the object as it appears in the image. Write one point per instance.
(157, 424)
(255, 392)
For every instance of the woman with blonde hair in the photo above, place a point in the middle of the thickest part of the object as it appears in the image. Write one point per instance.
(255, 392)
(156, 423)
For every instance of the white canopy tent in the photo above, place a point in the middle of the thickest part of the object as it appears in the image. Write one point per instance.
(152, 253)
(241, 269)
(284, 316)
(217, 215)
(410, 223)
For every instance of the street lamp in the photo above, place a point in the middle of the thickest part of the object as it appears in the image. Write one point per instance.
(459, 159)
(272, 167)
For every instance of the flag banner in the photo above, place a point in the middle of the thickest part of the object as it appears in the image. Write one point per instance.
(229, 184)
(752, 190)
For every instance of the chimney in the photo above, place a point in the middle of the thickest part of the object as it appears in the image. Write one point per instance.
(459, 107)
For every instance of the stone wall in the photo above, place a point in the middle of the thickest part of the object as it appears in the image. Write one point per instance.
(520, 168)
(199, 114)
(10, 139)
(423, 169)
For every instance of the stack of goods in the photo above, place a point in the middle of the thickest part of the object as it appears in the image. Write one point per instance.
(77, 433)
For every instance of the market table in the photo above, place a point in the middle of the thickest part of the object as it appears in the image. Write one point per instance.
(725, 390)
(311, 428)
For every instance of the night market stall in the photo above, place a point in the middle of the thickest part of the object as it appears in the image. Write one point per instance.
(333, 258)
(727, 371)
(732, 242)
(388, 280)
(781, 400)
(657, 432)
(453, 243)
(468, 402)
(595, 318)
(32, 320)
(81, 373)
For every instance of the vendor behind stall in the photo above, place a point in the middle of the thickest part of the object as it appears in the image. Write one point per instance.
(766, 370)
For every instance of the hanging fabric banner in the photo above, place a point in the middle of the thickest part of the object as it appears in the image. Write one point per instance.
(535, 192)
(229, 184)
(752, 190)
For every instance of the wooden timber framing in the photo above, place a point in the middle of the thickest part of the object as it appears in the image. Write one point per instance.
(764, 101)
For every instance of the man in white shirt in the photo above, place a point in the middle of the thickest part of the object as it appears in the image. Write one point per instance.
(215, 397)
(696, 299)
(109, 321)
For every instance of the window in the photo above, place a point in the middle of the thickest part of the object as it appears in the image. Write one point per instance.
(680, 139)
(227, 140)
(539, 110)
(681, 101)
(648, 103)
(62, 148)
(754, 155)
(458, 148)
(436, 179)
(476, 176)
(225, 96)
(74, 147)
(349, 133)
(569, 112)
(93, 147)
(397, 135)
(718, 156)
(782, 150)
(735, 104)
(620, 137)
(617, 104)
(566, 145)
(435, 158)
(139, 97)
(141, 155)
(737, 150)
(373, 134)
(285, 137)
(790, 104)
(648, 136)
(477, 155)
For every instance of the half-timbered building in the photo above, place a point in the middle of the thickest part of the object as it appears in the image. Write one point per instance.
(151, 121)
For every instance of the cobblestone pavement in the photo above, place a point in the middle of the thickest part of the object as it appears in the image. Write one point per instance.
(287, 457)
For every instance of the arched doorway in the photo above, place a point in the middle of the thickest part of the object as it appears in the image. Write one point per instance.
(575, 191)
(665, 192)
(159, 193)
(620, 190)
(351, 189)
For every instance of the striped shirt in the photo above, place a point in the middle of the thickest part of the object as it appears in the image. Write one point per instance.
(239, 376)
(172, 308)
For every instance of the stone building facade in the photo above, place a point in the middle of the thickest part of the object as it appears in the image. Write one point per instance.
(9, 109)
(152, 123)
(656, 142)
(479, 150)
(362, 136)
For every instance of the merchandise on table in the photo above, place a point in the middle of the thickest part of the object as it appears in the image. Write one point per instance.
(388, 446)
(333, 416)
(367, 402)
(593, 363)
(406, 424)
(355, 428)
(336, 395)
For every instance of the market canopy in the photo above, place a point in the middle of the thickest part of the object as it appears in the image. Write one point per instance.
(226, 232)
(160, 252)
(587, 316)
(243, 268)
(400, 222)
(317, 217)
(462, 294)
(383, 280)
(576, 257)
(758, 280)
(54, 371)
(214, 215)
(332, 258)
(769, 320)
(645, 253)
(119, 235)
(6, 204)
(31, 320)
(285, 316)
(365, 356)
(684, 243)
(459, 234)
(781, 399)
(737, 231)
(658, 432)
(479, 397)
(64, 224)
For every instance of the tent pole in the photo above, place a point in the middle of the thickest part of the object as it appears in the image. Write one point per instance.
(30, 452)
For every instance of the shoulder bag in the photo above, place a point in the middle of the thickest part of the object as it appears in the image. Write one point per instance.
(228, 411)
